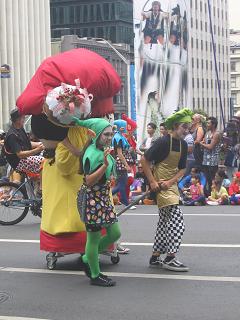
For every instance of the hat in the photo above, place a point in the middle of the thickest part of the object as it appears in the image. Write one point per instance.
(182, 116)
(15, 114)
(131, 124)
(237, 174)
(96, 74)
(121, 125)
(97, 125)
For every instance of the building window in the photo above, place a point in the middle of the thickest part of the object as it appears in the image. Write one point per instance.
(99, 13)
(92, 15)
(233, 82)
(233, 66)
(85, 14)
(100, 33)
(234, 99)
(106, 11)
(61, 15)
(193, 82)
(78, 14)
(71, 14)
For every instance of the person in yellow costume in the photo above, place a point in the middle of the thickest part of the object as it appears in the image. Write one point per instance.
(52, 86)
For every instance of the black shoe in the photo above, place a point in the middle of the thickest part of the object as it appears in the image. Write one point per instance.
(155, 261)
(174, 265)
(102, 281)
(86, 269)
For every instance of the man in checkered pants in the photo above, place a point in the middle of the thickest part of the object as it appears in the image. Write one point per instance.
(168, 156)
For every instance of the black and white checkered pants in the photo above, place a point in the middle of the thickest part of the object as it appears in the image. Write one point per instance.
(170, 230)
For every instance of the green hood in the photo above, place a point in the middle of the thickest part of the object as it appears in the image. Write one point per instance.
(95, 124)
(94, 155)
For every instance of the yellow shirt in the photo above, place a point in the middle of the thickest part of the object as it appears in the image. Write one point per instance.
(218, 194)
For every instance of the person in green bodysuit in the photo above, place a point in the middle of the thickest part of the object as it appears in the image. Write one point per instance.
(96, 206)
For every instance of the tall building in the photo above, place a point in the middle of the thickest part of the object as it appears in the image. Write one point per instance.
(24, 43)
(235, 70)
(203, 90)
(112, 53)
(111, 20)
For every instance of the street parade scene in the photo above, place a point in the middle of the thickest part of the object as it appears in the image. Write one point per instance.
(119, 160)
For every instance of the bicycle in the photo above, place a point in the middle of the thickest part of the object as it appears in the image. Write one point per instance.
(16, 200)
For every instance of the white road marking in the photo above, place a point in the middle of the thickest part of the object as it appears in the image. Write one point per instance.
(188, 214)
(19, 241)
(191, 245)
(128, 275)
(18, 318)
(139, 244)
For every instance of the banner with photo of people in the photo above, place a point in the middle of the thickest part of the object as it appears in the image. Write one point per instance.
(161, 41)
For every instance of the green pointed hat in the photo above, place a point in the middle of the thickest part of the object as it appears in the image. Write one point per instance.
(182, 116)
(95, 124)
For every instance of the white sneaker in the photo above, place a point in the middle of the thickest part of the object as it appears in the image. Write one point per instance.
(133, 208)
(122, 250)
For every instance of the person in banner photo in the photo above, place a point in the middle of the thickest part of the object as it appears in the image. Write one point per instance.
(169, 156)
(53, 107)
(95, 200)
(154, 28)
(161, 56)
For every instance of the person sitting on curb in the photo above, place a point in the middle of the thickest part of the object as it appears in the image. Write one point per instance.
(234, 190)
(219, 194)
(195, 196)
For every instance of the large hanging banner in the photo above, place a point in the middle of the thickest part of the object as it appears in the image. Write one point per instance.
(161, 42)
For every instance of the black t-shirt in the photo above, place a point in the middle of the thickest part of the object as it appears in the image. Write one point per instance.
(161, 149)
(16, 141)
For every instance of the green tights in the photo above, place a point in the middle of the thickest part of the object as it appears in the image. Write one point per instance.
(96, 244)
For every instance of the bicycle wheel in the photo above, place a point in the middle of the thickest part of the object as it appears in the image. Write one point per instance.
(13, 204)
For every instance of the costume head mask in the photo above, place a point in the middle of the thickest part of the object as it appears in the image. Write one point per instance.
(121, 126)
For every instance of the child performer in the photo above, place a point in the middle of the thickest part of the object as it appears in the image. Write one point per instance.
(94, 199)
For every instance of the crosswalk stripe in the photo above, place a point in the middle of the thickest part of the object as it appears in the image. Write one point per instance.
(189, 214)
(137, 244)
(18, 318)
(182, 277)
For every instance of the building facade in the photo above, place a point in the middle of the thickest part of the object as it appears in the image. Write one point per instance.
(24, 43)
(106, 50)
(203, 90)
(235, 70)
(111, 20)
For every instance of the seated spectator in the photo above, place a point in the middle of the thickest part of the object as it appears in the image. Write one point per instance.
(195, 195)
(234, 190)
(186, 181)
(222, 178)
(136, 187)
(219, 194)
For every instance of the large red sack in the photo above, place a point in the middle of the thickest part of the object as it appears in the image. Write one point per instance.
(95, 73)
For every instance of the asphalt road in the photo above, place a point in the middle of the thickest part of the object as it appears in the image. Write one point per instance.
(210, 290)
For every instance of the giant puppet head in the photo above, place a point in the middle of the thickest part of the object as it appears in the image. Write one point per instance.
(69, 84)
